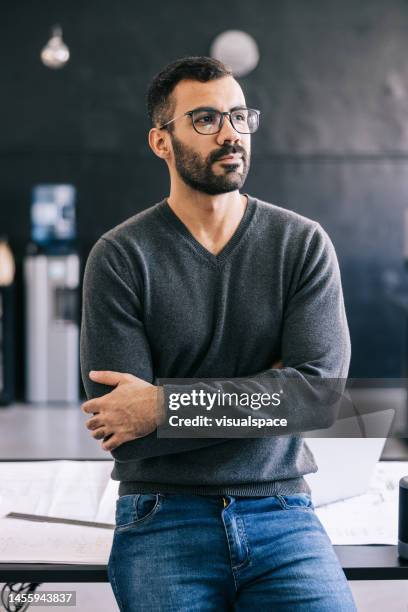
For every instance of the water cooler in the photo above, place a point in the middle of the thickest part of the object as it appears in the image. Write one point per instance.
(52, 280)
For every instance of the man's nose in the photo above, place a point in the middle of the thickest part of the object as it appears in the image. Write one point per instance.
(227, 132)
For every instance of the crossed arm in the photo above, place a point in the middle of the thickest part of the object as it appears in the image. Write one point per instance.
(132, 410)
(112, 334)
(315, 342)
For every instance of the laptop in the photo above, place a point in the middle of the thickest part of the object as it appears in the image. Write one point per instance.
(346, 464)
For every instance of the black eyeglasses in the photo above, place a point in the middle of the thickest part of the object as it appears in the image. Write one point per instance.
(210, 121)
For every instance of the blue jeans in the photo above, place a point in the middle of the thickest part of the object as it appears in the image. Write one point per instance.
(194, 553)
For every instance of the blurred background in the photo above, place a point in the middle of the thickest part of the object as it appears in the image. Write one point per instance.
(331, 82)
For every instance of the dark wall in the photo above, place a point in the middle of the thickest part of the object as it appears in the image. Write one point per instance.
(332, 84)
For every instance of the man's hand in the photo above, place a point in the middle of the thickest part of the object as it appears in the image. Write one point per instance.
(132, 410)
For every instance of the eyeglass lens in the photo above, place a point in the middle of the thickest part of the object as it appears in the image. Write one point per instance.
(208, 121)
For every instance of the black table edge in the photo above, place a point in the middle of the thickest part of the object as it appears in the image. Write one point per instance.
(359, 562)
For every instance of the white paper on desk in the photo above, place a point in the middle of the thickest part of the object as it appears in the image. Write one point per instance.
(107, 504)
(371, 518)
(32, 542)
(83, 490)
(68, 489)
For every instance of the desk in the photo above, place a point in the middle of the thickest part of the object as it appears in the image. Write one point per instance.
(374, 562)
(43, 432)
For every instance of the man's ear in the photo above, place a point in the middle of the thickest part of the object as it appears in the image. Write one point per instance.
(158, 142)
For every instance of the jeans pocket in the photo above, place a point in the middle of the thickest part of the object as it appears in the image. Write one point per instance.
(299, 501)
(131, 510)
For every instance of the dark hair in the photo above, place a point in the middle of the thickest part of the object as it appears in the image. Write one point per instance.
(159, 104)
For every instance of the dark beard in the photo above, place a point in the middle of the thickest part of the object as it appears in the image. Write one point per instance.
(197, 172)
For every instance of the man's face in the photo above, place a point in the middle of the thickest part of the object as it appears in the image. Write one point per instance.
(216, 163)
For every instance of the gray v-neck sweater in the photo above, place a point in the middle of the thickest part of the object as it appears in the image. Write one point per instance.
(157, 304)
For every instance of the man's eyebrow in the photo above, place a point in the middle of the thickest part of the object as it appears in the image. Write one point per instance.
(204, 108)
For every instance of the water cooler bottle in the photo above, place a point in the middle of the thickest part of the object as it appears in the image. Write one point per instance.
(52, 280)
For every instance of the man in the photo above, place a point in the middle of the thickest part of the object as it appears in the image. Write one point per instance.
(211, 283)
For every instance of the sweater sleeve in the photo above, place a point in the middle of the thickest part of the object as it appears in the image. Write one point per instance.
(315, 337)
(113, 338)
(315, 350)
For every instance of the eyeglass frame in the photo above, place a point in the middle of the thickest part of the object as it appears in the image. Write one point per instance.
(223, 114)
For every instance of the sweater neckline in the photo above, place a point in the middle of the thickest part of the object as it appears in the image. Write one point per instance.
(236, 237)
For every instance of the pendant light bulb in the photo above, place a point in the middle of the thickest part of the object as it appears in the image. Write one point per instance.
(55, 54)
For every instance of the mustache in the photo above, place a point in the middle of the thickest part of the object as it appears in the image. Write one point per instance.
(227, 149)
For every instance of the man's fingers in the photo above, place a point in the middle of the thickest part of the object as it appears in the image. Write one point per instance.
(107, 377)
(101, 432)
(111, 443)
(91, 406)
(93, 423)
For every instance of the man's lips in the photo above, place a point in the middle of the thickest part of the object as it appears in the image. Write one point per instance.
(232, 157)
